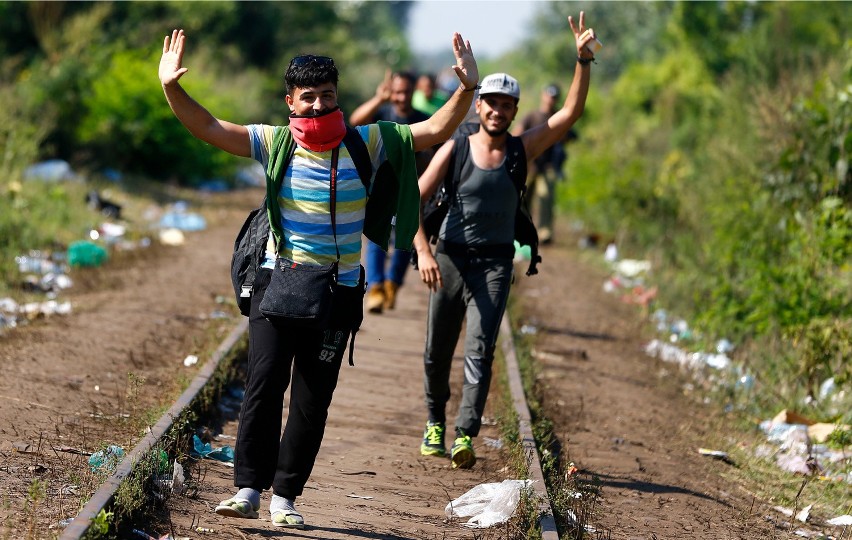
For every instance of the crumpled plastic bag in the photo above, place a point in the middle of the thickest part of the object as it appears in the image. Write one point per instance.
(489, 504)
(205, 450)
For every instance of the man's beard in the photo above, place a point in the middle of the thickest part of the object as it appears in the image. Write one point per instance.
(495, 132)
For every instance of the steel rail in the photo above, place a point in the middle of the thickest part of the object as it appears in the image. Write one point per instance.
(105, 493)
(516, 388)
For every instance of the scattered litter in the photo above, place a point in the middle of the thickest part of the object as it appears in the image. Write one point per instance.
(205, 450)
(172, 237)
(61, 524)
(640, 296)
(182, 220)
(52, 170)
(70, 489)
(529, 330)
(146, 536)
(23, 447)
(791, 417)
(692, 360)
(783, 510)
(370, 473)
(796, 463)
(492, 443)
(723, 346)
(86, 253)
(611, 253)
(842, 521)
(178, 479)
(216, 185)
(106, 459)
(804, 513)
(190, 360)
(204, 530)
(632, 268)
(488, 504)
(32, 310)
(104, 206)
(353, 496)
(827, 388)
(718, 454)
(72, 450)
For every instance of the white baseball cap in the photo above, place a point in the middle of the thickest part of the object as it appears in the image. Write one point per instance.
(500, 83)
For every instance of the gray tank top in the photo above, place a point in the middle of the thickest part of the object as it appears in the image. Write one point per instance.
(483, 213)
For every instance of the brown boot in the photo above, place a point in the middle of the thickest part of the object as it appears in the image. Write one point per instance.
(390, 294)
(375, 299)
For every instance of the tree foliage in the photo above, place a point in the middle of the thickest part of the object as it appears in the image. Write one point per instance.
(716, 142)
(94, 64)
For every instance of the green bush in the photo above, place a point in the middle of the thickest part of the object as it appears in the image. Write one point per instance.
(130, 125)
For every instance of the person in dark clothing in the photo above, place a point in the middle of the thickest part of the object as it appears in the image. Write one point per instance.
(470, 274)
(391, 102)
(546, 170)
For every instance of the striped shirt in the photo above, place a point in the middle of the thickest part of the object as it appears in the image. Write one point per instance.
(305, 201)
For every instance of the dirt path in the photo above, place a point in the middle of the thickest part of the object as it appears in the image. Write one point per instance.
(622, 417)
(619, 414)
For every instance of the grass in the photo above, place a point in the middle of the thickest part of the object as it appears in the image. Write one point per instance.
(141, 495)
(572, 501)
(47, 217)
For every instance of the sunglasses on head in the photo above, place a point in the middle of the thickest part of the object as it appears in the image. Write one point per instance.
(310, 59)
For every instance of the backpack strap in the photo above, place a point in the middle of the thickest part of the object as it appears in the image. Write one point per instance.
(516, 163)
(280, 156)
(359, 154)
(525, 231)
(458, 157)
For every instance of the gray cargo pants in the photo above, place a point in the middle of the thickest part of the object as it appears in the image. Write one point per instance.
(475, 290)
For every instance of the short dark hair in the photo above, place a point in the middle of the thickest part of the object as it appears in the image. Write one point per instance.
(307, 70)
(406, 75)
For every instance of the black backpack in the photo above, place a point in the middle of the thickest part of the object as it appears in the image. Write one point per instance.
(436, 208)
(250, 245)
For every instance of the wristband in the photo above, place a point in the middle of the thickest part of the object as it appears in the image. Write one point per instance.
(585, 61)
(477, 87)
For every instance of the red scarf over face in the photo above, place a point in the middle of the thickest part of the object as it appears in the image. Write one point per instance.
(318, 133)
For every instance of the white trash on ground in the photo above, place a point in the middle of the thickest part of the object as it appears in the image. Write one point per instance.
(488, 504)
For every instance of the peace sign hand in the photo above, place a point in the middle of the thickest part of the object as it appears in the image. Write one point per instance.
(585, 37)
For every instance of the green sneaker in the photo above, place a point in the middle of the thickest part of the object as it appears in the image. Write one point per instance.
(433, 440)
(462, 451)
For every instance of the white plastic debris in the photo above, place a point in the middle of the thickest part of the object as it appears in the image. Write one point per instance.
(178, 478)
(190, 360)
(632, 267)
(804, 513)
(488, 504)
(842, 521)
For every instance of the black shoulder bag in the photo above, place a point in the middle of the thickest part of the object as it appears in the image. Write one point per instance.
(303, 294)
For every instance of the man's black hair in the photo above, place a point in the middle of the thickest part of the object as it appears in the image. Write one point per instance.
(309, 75)
(406, 75)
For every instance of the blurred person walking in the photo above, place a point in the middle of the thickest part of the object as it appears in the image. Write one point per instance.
(392, 102)
(547, 169)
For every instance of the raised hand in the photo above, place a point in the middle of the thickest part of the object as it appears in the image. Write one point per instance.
(465, 67)
(383, 91)
(584, 36)
(170, 63)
